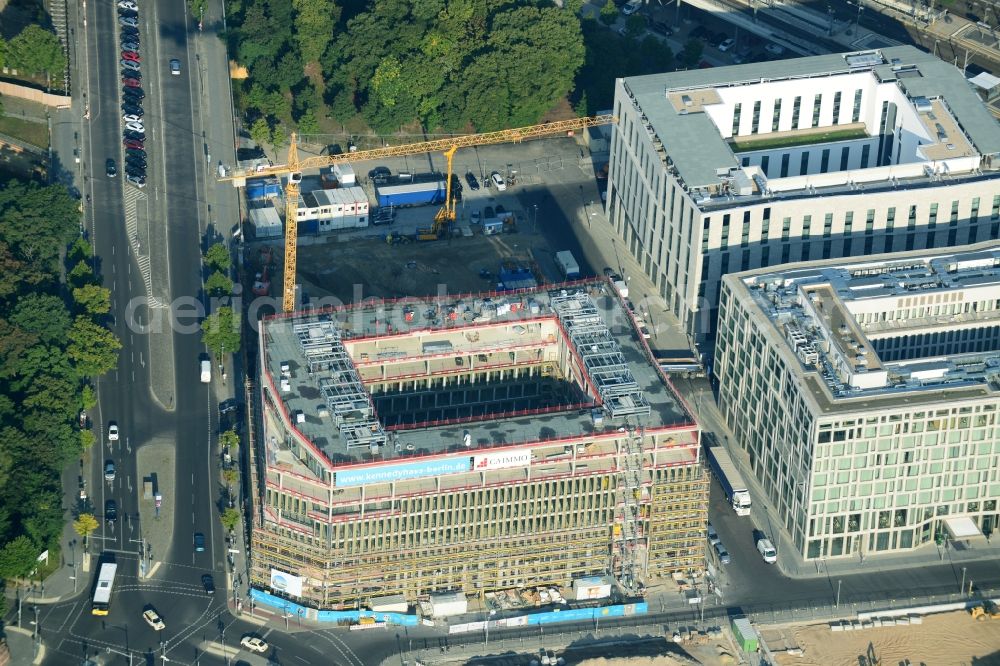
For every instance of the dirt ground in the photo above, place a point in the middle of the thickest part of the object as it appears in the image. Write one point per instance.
(414, 269)
(948, 639)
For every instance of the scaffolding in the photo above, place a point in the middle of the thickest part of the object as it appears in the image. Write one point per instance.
(348, 403)
(600, 354)
(630, 462)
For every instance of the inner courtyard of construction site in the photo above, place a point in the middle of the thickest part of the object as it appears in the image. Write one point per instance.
(515, 447)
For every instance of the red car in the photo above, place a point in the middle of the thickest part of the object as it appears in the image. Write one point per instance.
(131, 55)
(133, 144)
(131, 83)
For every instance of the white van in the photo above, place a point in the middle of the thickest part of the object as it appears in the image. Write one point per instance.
(767, 551)
(206, 371)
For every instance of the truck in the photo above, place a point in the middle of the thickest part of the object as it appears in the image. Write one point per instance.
(411, 194)
(567, 264)
(729, 478)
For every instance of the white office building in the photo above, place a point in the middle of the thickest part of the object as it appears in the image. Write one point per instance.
(865, 395)
(714, 171)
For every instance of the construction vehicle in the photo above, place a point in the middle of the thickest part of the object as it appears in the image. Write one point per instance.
(988, 610)
(444, 218)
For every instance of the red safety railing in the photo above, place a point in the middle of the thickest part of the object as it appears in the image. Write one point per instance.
(490, 416)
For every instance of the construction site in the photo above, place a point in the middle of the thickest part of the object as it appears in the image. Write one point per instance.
(484, 444)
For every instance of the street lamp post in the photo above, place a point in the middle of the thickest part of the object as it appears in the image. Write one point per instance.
(838, 593)
(534, 220)
(487, 641)
(961, 589)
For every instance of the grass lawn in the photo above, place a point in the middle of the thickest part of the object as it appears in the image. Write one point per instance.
(807, 138)
(37, 134)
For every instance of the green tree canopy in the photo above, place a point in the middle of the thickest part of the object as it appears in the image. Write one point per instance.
(85, 525)
(217, 257)
(692, 51)
(218, 284)
(92, 347)
(609, 13)
(93, 299)
(260, 132)
(36, 50)
(635, 25)
(220, 332)
(229, 439)
(18, 558)
(42, 315)
(314, 23)
(230, 519)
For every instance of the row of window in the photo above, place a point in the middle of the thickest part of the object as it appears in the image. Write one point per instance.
(817, 105)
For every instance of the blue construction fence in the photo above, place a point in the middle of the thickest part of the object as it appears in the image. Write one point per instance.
(293, 609)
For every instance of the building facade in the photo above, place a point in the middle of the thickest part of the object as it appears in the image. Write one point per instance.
(468, 445)
(865, 396)
(729, 169)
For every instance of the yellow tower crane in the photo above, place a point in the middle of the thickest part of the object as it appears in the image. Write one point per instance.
(293, 170)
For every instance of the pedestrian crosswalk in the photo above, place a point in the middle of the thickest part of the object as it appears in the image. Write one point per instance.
(135, 198)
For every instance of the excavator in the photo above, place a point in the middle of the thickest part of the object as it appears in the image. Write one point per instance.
(986, 611)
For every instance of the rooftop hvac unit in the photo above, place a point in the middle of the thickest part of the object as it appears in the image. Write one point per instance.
(286, 386)
(285, 368)
(300, 416)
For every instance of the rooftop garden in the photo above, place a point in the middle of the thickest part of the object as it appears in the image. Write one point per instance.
(796, 138)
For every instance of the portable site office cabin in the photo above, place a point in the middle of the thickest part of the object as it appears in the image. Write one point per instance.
(745, 634)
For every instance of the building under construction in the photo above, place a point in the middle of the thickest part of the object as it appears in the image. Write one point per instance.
(470, 444)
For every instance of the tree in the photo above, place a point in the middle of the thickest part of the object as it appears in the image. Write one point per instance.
(18, 558)
(314, 24)
(218, 284)
(88, 398)
(229, 440)
(260, 132)
(278, 137)
(635, 25)
(43, 315)
(691, 54)
(85, 526)
(93, 299)
(307, 122)
(609, 13)
(197, 8)
(37, 50)
(92, 347)
(221, 332)
(87, 439)
(81, 274)
(230, 476)
(217, 256)
(230, 519)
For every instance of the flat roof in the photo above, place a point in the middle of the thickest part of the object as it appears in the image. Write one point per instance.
(325, 395)
(823, 317)
(699, 151)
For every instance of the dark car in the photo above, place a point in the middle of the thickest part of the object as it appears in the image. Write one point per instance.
(134, 144)
(130, 109)
(661, 28)
(129, 73)
(130, 45)
(470, 178)
(133, 94)
(135, 163)
(136, 136)
(134, 152)
(110, 168)
(209, 583)
(488, 213)
(130, 82)
(379, 175)
(701, 32)
(199, 542)
(135, 172)
(717, 39)
(111, 511)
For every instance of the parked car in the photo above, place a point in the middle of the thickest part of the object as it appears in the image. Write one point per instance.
(727, 44)
(254, 644)
(722, 553)
(131, 82)
(661, 28)
(498, 181)
(129, 118)
(136, 127)
(138, 181)
(127, 4)
(774, 49)
(130, 109)
(153, 619)
(470, 178)
(136, 136)
(134, 144)
(713, 536)
(701, 32)
(135, 152)
(128, 13)
(766, 550)
(110, 168)
(130, 65)
(135, 93)
(379, 175)
(110, 510)
(130, 21)
(131, 55)
(135, 164)
(131, 74)
(130, 45)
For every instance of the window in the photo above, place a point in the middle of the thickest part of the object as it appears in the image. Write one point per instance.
(824, 162)
(795, 112)
(776, 115)
(954, 213)
(827, 225)
(786, 225)
(736, 119)
(856, 114)
(912, 221)
(784, 165)
(705, 230)
(974, 213)
(865, 152)
(995, 213)
(848, 222)
(765, 162)
(932, 219)
(836, 108)
(804, 169)
(870, 221)
(845, 154)
(807, 221)
(817, 105)
(890, 217)
(755, 126)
